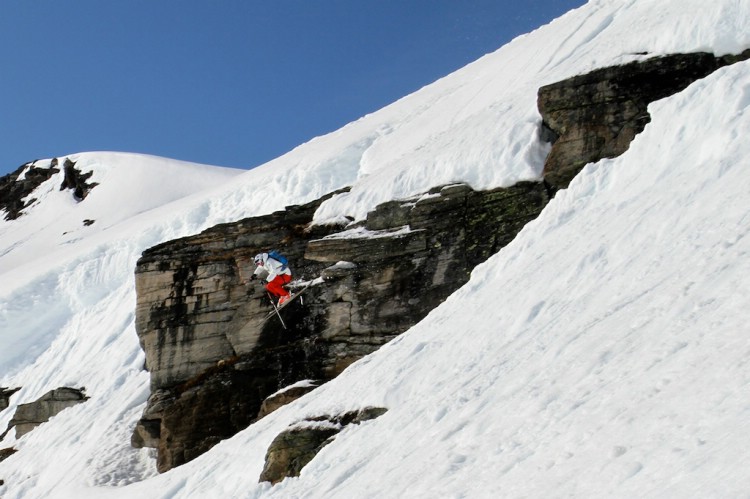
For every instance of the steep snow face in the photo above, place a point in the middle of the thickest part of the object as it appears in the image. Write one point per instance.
(590, 344)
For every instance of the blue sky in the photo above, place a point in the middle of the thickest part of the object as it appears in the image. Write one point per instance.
(230, 83)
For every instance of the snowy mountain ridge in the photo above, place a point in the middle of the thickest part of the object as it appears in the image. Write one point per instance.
(128, 185)
(633, 285)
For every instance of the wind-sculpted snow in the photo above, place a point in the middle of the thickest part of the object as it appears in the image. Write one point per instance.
(602, 353)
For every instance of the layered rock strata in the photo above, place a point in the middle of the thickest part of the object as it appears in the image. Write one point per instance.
(214, 358)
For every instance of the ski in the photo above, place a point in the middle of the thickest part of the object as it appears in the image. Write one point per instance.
(277, 309)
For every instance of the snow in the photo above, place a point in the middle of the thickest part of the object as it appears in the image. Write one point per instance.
(602, 353)
(305, 383)
(342, 265)
(363, 233)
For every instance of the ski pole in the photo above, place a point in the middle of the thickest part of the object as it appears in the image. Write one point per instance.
(276, 310)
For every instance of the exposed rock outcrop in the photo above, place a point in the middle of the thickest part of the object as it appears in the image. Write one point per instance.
(16, 187)
(5, 394)
(292, 449)
(285, 396)
(6, 453)
(597, 115)
(214, 360)
(76, 180)
(14, 191)
(29, 416)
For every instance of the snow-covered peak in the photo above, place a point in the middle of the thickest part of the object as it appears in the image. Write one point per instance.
(126, 185)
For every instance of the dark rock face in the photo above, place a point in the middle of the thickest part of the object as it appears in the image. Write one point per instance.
(292, 449)
(76, 181)
(29, 416)
(597, 115)
(13, 191)
(214, 360)
(6, 453)
(223, 410)
(5, 394)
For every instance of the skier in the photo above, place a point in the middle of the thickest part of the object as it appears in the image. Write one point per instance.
(278, 274)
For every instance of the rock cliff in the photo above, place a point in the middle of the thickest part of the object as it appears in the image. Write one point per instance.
(29, 416)
(597, 115)
(213, 357)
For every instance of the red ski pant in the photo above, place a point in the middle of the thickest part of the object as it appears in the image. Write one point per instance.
(275, 287)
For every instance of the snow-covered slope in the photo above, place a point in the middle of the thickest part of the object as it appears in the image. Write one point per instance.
(61, 264)
(129, 184)
(602, 353)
